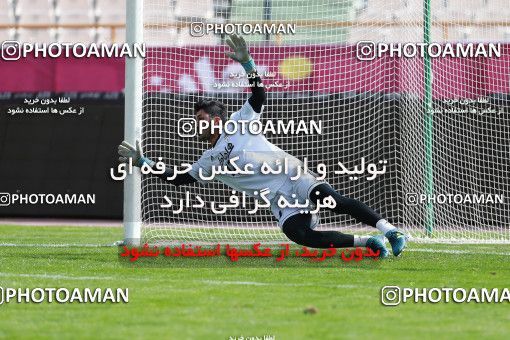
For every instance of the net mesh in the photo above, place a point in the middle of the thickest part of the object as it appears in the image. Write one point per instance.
(446, 139)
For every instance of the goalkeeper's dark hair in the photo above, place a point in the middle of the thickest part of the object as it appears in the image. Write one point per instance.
(213, 108)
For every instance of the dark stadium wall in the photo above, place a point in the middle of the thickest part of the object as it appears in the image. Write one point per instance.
(72, 154)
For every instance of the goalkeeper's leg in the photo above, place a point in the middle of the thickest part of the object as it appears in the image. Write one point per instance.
(298, 229)
(362, 213)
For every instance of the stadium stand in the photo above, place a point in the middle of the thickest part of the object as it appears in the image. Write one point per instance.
(108, 11)
(6, 8)
(189, 11)
(103, 20)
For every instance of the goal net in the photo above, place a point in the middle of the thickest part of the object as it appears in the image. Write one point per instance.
(424, 140)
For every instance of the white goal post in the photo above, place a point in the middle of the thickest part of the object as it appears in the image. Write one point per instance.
(440, 125)
(132, 217)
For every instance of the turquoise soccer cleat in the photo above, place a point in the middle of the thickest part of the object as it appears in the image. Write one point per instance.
(397, 240)
(376, 244)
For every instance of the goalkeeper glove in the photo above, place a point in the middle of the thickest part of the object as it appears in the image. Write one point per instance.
(127, 151)
(241, 53)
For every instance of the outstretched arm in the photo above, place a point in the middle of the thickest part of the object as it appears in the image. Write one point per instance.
(127, 151)
(258, 95)
(242, 55)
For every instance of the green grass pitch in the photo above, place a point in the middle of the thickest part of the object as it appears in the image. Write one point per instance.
(211, 299)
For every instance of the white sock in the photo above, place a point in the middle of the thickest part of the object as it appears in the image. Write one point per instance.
(360, 241)
(384, 226)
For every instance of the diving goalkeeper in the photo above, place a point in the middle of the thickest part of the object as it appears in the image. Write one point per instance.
(255, 149)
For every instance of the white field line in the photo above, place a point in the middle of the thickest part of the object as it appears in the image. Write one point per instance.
(454, 251)
(57, 245)
(419, 250)
(208, 282)
(252, 283)
(56, 277)
(58, 222)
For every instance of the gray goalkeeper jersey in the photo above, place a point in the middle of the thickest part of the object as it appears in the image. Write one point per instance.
(252, 149)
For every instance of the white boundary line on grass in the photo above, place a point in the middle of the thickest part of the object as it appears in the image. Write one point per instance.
(59, 222)
(455, 251)
(210, 282)
(61, 245)
(419, 250)
(57, 277)
(252, 283)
